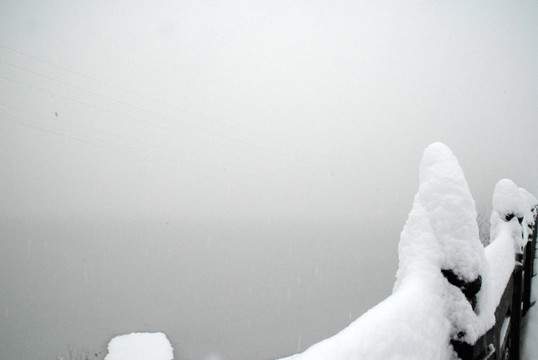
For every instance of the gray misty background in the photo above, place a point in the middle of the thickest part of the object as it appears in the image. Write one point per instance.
(236, 174)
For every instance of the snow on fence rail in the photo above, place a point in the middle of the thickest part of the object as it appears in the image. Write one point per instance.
(513, 222)
(453, 298)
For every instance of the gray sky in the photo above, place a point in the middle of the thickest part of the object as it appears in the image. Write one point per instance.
(259, 109)
(303, 121)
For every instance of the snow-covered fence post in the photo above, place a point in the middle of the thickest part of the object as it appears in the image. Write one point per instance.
(453, 298)
(507, 210)
(530, 205)
(425, 311)
(450, 210)
(513, 218)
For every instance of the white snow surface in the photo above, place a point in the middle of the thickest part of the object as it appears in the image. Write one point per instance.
(424, 311)
(444, 192)
(500, 256)
(140, 346)
(449, 220)
(407, 325)
(509, 199)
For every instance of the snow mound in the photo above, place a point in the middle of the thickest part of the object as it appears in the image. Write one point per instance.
(140, 346)
(448, 220)
(451, 211)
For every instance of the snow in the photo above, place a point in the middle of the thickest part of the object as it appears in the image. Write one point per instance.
(509, 200)
(449, 221)
(391, 331)
(500, 257)
(140, 346)
(511, 235)
(451, 210)
(424, 311)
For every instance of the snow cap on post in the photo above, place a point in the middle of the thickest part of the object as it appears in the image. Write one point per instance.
(507, 199)
(440, 246)
(508, 205)
(446, 197)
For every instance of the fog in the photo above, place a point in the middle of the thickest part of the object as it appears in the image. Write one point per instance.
(236, 175)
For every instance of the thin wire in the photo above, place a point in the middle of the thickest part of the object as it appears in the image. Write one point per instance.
(171, 130)
(188, 112)
(133, 152)
(123, 150)
(115, 86)
(124, 138)
(283, 156)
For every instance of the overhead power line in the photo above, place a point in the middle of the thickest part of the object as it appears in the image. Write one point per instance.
(154, 100)
(270, 153)
(234, 129)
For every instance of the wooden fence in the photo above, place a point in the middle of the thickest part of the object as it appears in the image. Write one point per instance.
(502, 341)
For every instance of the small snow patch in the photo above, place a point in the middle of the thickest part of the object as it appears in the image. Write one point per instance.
(140, 346)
